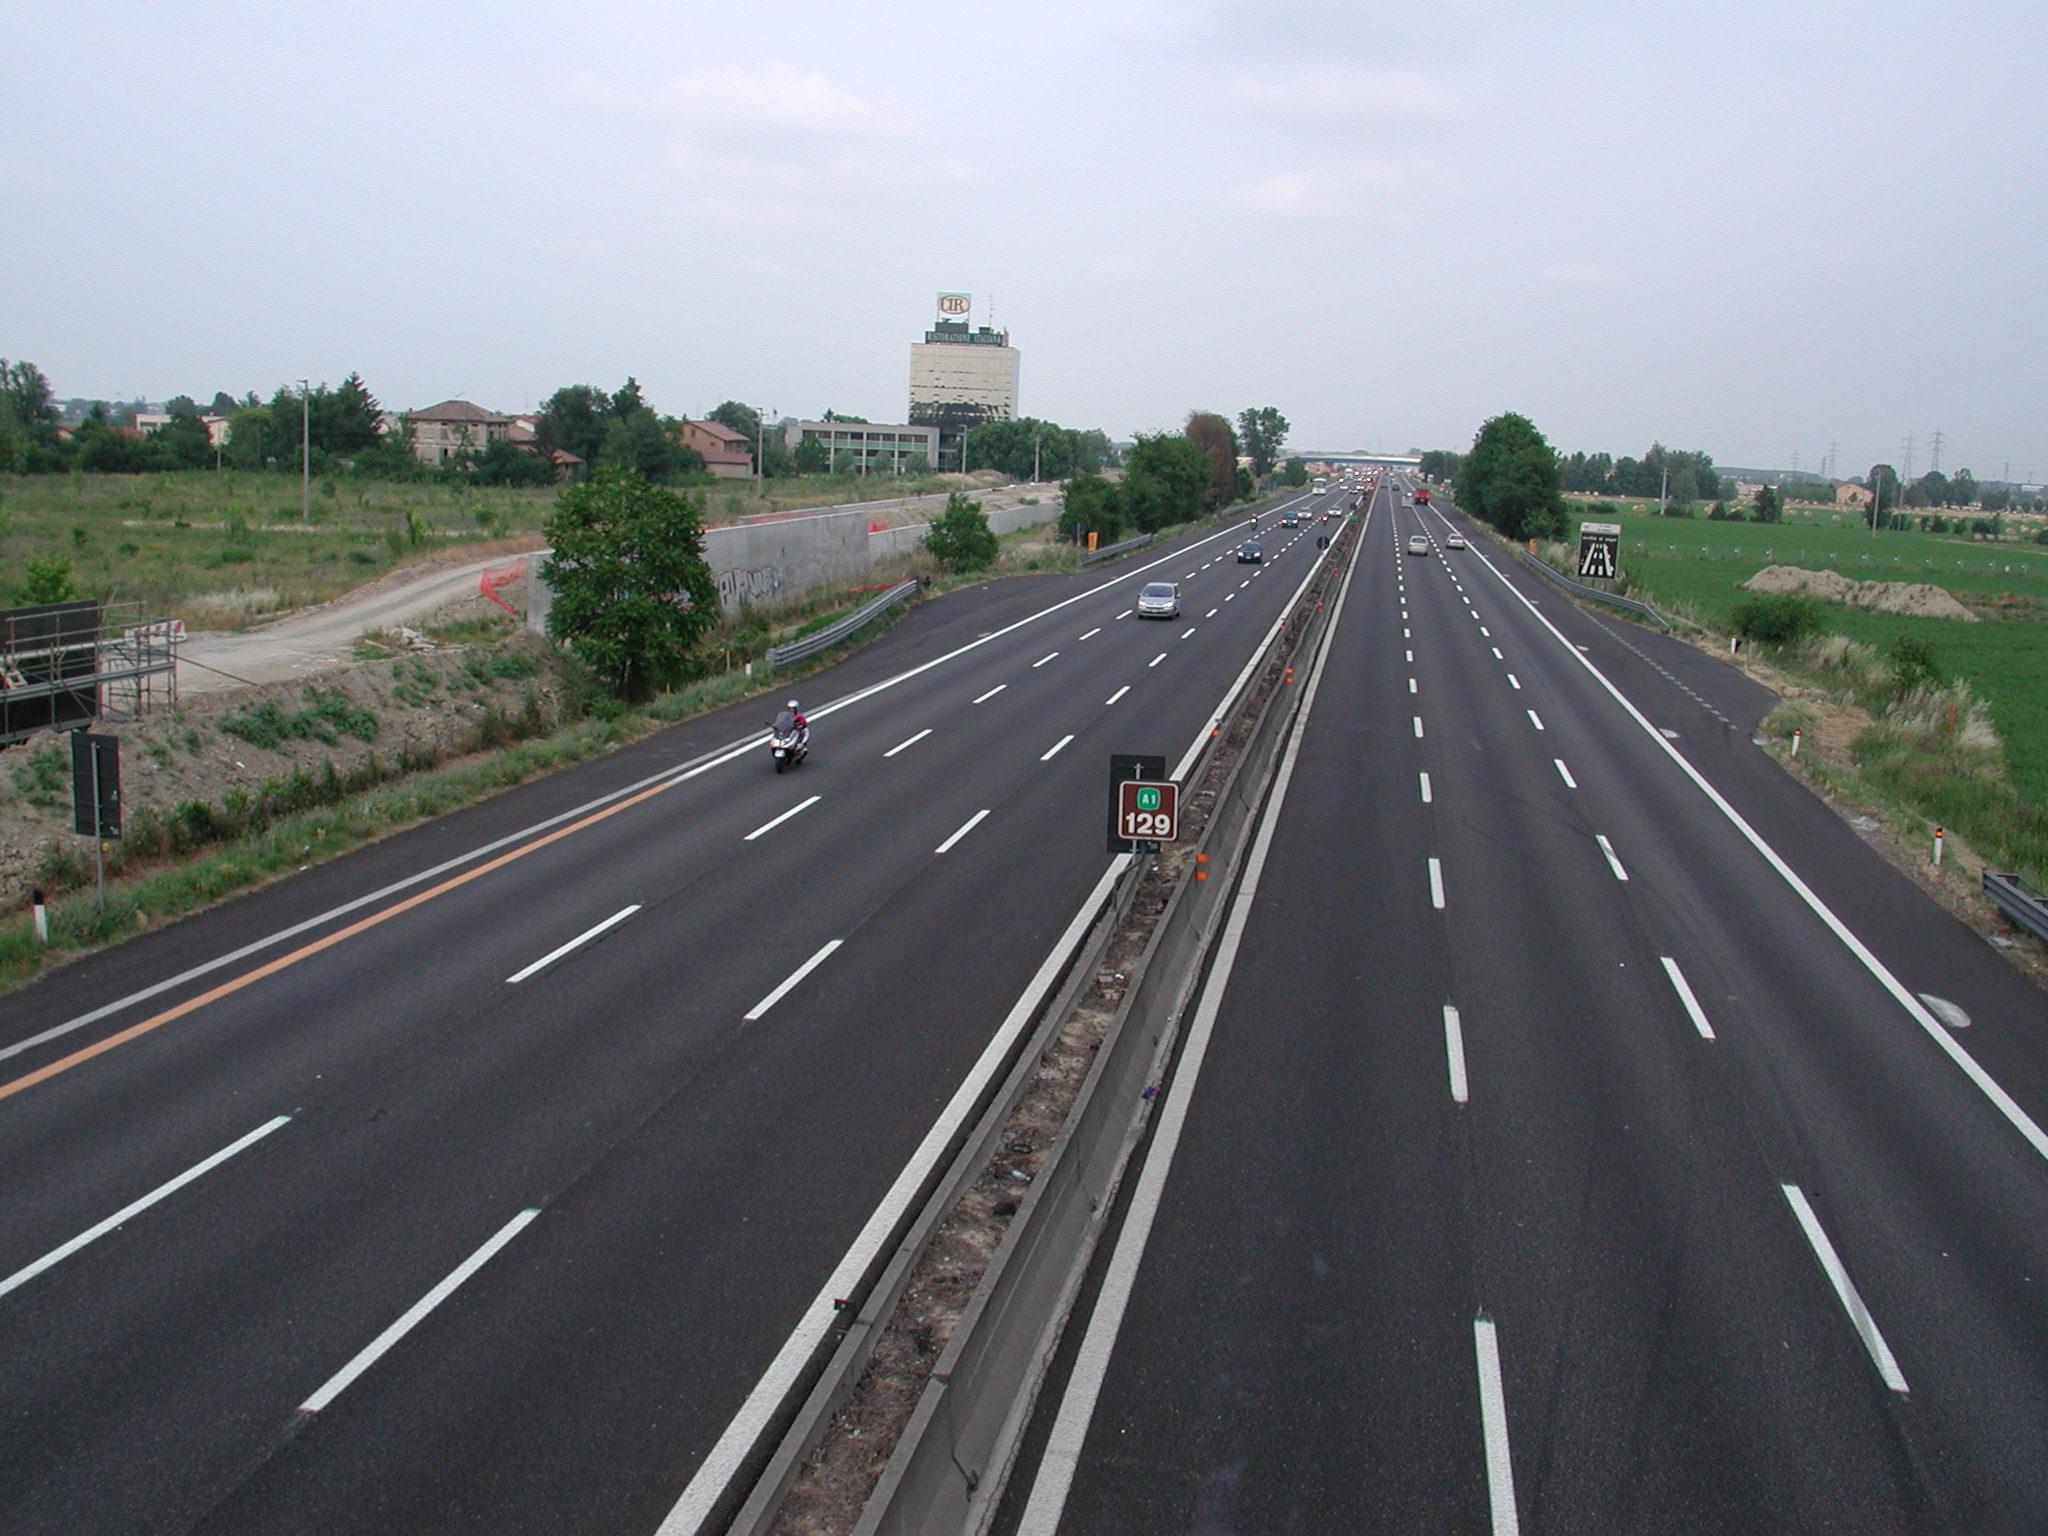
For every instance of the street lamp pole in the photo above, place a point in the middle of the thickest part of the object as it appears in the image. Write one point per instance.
(305, 451)
(761, 448)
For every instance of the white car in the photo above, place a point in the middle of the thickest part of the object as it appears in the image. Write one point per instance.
(1455, 541)
(1417, 544)
(1159, 600)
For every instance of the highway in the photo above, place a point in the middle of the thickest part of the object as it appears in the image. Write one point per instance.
(1580, 1131)
(497, 1176)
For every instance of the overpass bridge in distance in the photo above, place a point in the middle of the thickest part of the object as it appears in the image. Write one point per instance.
(1356, 458)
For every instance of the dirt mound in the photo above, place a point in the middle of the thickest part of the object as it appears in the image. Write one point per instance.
(1917, 599)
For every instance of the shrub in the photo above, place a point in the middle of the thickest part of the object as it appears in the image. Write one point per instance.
(1778, 618)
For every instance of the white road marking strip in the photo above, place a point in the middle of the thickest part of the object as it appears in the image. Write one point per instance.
(1454, 1052)
(1692, 1004)
(707, 1486)
(1964, 1062)
(1845, 1290)
(1118, 694)
(1436, 883)
(1229, 596)
(1054, 750)
(1483, 629)
(1188, 631)
(1418, 727)
(1411, 686)
(770, 826)
(971, 823)
(1565, 774)
(1425, 788)
(1535, 720)
(128, 1212)
(578, 942)
(790, 984)
(1613, 863)
(1514, 681)
(1493, 1419)
(1043, 660)
(913, 741)
(1062, 1454)
(1497, 655)
(1124, 615)
(1155, 661)
(371, 1352)
(1093, 633)
(1411, 657)
(999, 687)
(1212, 613)
(1405, 635)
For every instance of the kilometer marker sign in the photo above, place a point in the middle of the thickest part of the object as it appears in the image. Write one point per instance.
(1146, 812)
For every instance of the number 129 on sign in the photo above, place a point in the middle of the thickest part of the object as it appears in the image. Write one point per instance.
(1147, 812)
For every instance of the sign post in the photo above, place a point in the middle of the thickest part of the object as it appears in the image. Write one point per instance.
(96, 797)
(1129, 774)
(1599, 549)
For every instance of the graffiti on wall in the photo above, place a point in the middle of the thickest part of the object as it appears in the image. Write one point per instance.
(748, 586)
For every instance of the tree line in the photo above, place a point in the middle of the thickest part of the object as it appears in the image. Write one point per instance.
(1169, 478)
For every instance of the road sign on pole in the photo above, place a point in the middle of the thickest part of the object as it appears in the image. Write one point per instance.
(1124, 768)
(1599, 549)
(1148, 812)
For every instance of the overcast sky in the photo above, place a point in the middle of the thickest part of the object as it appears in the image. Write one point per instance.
(1753, 228)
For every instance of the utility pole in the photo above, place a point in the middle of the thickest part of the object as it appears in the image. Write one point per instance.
(1906, 458)
(1663, 490)
(1937, 450)
(761, 448)
(1834, 446)
(1034, 458)
(305, 451)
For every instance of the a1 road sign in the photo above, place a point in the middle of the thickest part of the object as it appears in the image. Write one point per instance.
(1146, 812)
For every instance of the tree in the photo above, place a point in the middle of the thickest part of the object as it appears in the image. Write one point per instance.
(180, 443)
(98, 448)
(1165, 477)
(47, 581)
(1439, 464)
(647, 443)
(632, 592)
(1962, 489)
(1213, 435)
(503, 463)
(574, 419)
(1263, 431)
(1883, 481)
(1295, 473)
(1769, 508)
(627, 399)
(346, 420)
(811, 457)
(25, 397)
(1091, 505)
(960, 537)
(740, 418)
(1021, 446)
(1511, 479)
(1093, 451)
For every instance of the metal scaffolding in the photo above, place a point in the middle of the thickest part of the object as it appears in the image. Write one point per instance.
(65, 665)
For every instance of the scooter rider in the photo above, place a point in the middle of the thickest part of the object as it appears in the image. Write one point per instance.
(792, 719)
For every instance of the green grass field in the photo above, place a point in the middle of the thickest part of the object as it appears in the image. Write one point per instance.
(1694, 566)
(222, 550)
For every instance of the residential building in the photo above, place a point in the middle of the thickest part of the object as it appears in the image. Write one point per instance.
(869, 448)
(1848, 494)
(727, 454)
(454, 427)
(569, 467)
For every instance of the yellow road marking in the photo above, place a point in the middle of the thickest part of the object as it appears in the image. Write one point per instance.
(271, 967)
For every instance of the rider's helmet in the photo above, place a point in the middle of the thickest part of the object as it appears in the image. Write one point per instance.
(795, 708)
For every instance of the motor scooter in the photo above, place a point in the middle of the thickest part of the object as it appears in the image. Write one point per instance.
(788, 742)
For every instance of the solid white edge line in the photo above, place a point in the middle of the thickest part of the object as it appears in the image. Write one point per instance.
(1454, 1051)
(1493, 1420)
(2004, 1102)
(1845, 1290)
(1117, 695)
(1436, 883)
(790, 984)
(1613, 862)
(999, 687)
(770, 826)
(1565, 774)
(581, 939)
(707, 1486)
(1061, 1457)
(913, 741)
(716, 758)
(1425, 787)
(726, 1457)
(1055, 749)
(1692, 1004)
(971, 823)
(368, 1356)
(93, 1233)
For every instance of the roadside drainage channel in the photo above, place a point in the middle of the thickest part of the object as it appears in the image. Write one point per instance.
(984, 1278)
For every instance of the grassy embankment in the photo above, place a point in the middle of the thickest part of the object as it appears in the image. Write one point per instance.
(225, 550)
(1918, 757)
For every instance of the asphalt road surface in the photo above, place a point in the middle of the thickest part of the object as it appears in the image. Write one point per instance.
(1542, 1158)
(485, 1179)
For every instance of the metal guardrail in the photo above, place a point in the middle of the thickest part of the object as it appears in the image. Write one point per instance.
(1580, 589)
(1111, 551)
(839, 629)
(2024, 903)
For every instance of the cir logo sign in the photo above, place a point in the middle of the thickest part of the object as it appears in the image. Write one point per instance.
(955, 303)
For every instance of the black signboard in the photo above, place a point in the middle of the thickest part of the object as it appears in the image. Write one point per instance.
(96, 784)
(1129, 765)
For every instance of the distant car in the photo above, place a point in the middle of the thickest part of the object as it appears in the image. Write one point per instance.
(1250, 553)
(1455, 541)
(1159, 600)
(1417, 544)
